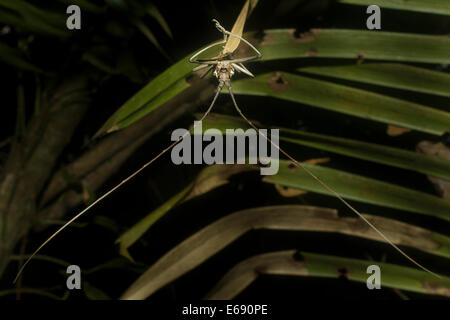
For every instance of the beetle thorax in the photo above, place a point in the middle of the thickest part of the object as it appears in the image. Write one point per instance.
(224, 71)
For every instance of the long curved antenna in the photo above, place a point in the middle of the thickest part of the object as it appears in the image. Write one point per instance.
(219, 88)
(325, 186)
(206, 61)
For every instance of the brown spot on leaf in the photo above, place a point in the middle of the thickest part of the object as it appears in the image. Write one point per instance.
(436, 288)
(394, 131)
(298, 257)
(304, 37)
(361, 55)
(292, 166)
(312, 52)
(317, 161)
(278, 83)
(289, 192)
(342, 272)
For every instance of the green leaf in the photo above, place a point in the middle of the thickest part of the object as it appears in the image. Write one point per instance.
(393, 276)
(283, 44)
(359, 188)
(107, 223)
(426, 164)
(144, 97)
(355, 44)
(429, 6)
(347, 100)
(391, 75)
(296, 263)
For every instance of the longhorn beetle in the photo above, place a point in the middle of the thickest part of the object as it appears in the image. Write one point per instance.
(224, 68)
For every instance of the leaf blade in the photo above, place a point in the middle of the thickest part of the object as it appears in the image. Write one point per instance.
(405, 159)
(363, 189)
(347, 100)
(205, 243)
(392, 75)
(355, 44)
(283, 44)
(317, 265)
